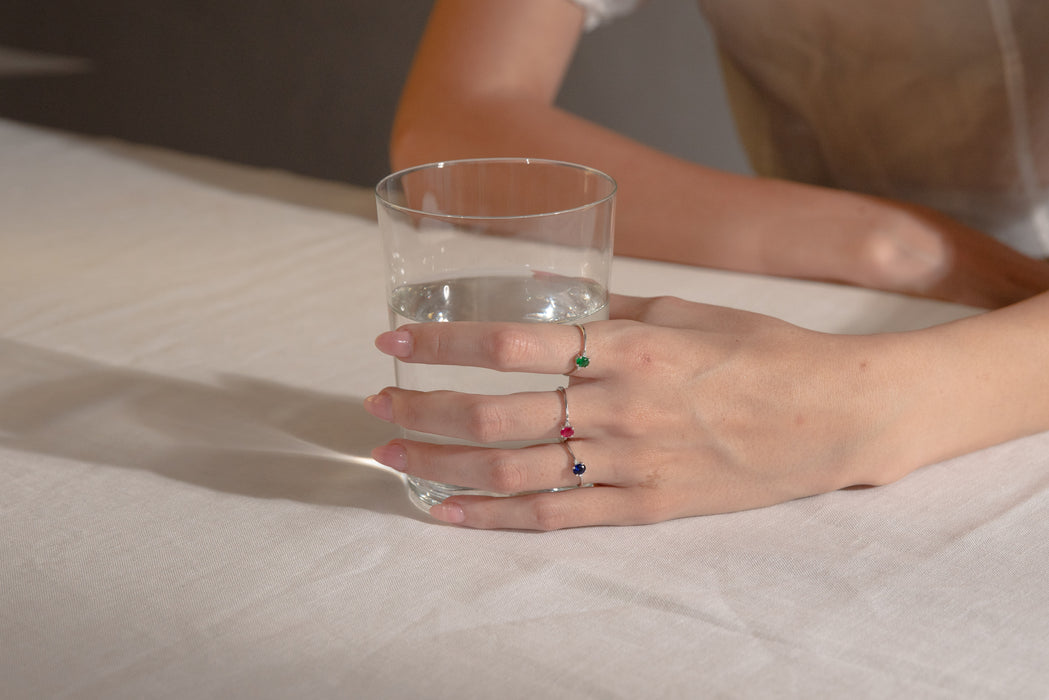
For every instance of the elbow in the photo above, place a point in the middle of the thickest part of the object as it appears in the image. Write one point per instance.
(425, 130)
(445, 128)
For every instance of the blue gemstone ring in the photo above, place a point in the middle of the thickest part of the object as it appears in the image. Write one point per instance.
(578, 468)
(582, 359)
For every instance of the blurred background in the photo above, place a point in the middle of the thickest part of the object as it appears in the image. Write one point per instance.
(311, 86)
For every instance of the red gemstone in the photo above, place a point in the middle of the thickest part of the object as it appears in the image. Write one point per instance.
(567, 432)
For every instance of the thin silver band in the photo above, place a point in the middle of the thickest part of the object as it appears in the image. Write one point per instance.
(578, 468)
(582, 359)
(567, 430)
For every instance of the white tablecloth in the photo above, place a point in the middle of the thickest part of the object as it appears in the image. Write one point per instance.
(186, 509)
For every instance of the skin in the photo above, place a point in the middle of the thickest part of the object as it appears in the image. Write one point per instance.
(494, 96)
(689, 409)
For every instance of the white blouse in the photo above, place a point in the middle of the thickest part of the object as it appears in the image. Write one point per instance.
(943, 103)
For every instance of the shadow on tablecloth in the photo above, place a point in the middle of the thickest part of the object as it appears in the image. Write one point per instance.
(241, 434)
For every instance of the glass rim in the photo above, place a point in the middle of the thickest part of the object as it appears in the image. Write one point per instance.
(614, 186)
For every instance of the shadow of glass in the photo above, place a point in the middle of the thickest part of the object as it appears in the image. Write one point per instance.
(241, 435)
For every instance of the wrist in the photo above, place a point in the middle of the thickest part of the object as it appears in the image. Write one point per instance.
(964, 386)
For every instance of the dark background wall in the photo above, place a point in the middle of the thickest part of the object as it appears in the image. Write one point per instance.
(311, 86)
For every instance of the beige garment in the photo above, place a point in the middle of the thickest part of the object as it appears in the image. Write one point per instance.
(944, 103)
(940, 102)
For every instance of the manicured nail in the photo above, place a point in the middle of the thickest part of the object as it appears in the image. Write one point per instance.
(448, 512)
(396, 343)
(380, 406)
(392, 456)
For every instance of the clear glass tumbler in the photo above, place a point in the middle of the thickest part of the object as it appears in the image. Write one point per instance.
(494, 239)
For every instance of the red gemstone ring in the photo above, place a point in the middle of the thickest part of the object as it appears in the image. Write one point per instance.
(567, 430)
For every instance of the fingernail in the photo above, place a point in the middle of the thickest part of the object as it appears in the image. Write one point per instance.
(380, 406)
(392, 456)
(396, 343)
(448, 512)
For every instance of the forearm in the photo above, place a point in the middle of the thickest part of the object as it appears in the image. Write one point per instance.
(493, 95)
(671, 209)
(668, 208)
(1001, 357)
(967, 385)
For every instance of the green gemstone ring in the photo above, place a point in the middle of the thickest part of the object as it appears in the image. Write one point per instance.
(581, 360)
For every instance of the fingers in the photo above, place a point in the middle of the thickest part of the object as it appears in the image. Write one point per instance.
(508, 471)
(529, 416)
(665, 310)
(673, 312)
(545, 348)
(597, 505)
(623, 306)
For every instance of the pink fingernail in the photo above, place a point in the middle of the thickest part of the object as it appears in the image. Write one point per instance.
(448, 512)
(380, 406)
(396, 343)
(392, 456)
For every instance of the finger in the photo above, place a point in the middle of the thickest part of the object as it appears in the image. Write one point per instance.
(623, 306)
(668, 311)
(674, 312)
(597, 505)
(509, 471)
(529, 416)
(544, 348)
(583, 410)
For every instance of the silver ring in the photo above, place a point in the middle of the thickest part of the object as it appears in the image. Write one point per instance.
(582, 359)
(567, 430)
(578, 468)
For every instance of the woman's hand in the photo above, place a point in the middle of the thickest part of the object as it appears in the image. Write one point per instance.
(685, 409)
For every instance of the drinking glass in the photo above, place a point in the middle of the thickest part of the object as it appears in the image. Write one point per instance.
(493, 239)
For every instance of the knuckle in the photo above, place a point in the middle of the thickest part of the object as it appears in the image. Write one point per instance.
(634, 420)
(439, 345)
(505, 474)
(485, 421)
(404, 411)
(653, 505)
(638, 351)
(549, 514)
(639, 419)
(511, 348)
(662, 306)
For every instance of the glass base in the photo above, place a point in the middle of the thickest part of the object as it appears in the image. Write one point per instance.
(425, 494)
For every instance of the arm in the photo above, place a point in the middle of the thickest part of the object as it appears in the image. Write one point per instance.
(484, 83)
(985, 380)
(689, 409)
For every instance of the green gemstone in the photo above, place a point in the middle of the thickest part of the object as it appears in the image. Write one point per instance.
(582, 361)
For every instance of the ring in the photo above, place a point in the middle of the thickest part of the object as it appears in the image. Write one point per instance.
(581, 360)
(578, 468)
(567, 430)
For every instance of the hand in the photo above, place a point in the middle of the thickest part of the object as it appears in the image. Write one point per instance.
(686, 409)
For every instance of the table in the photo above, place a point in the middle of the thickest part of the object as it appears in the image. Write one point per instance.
(188, 511)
